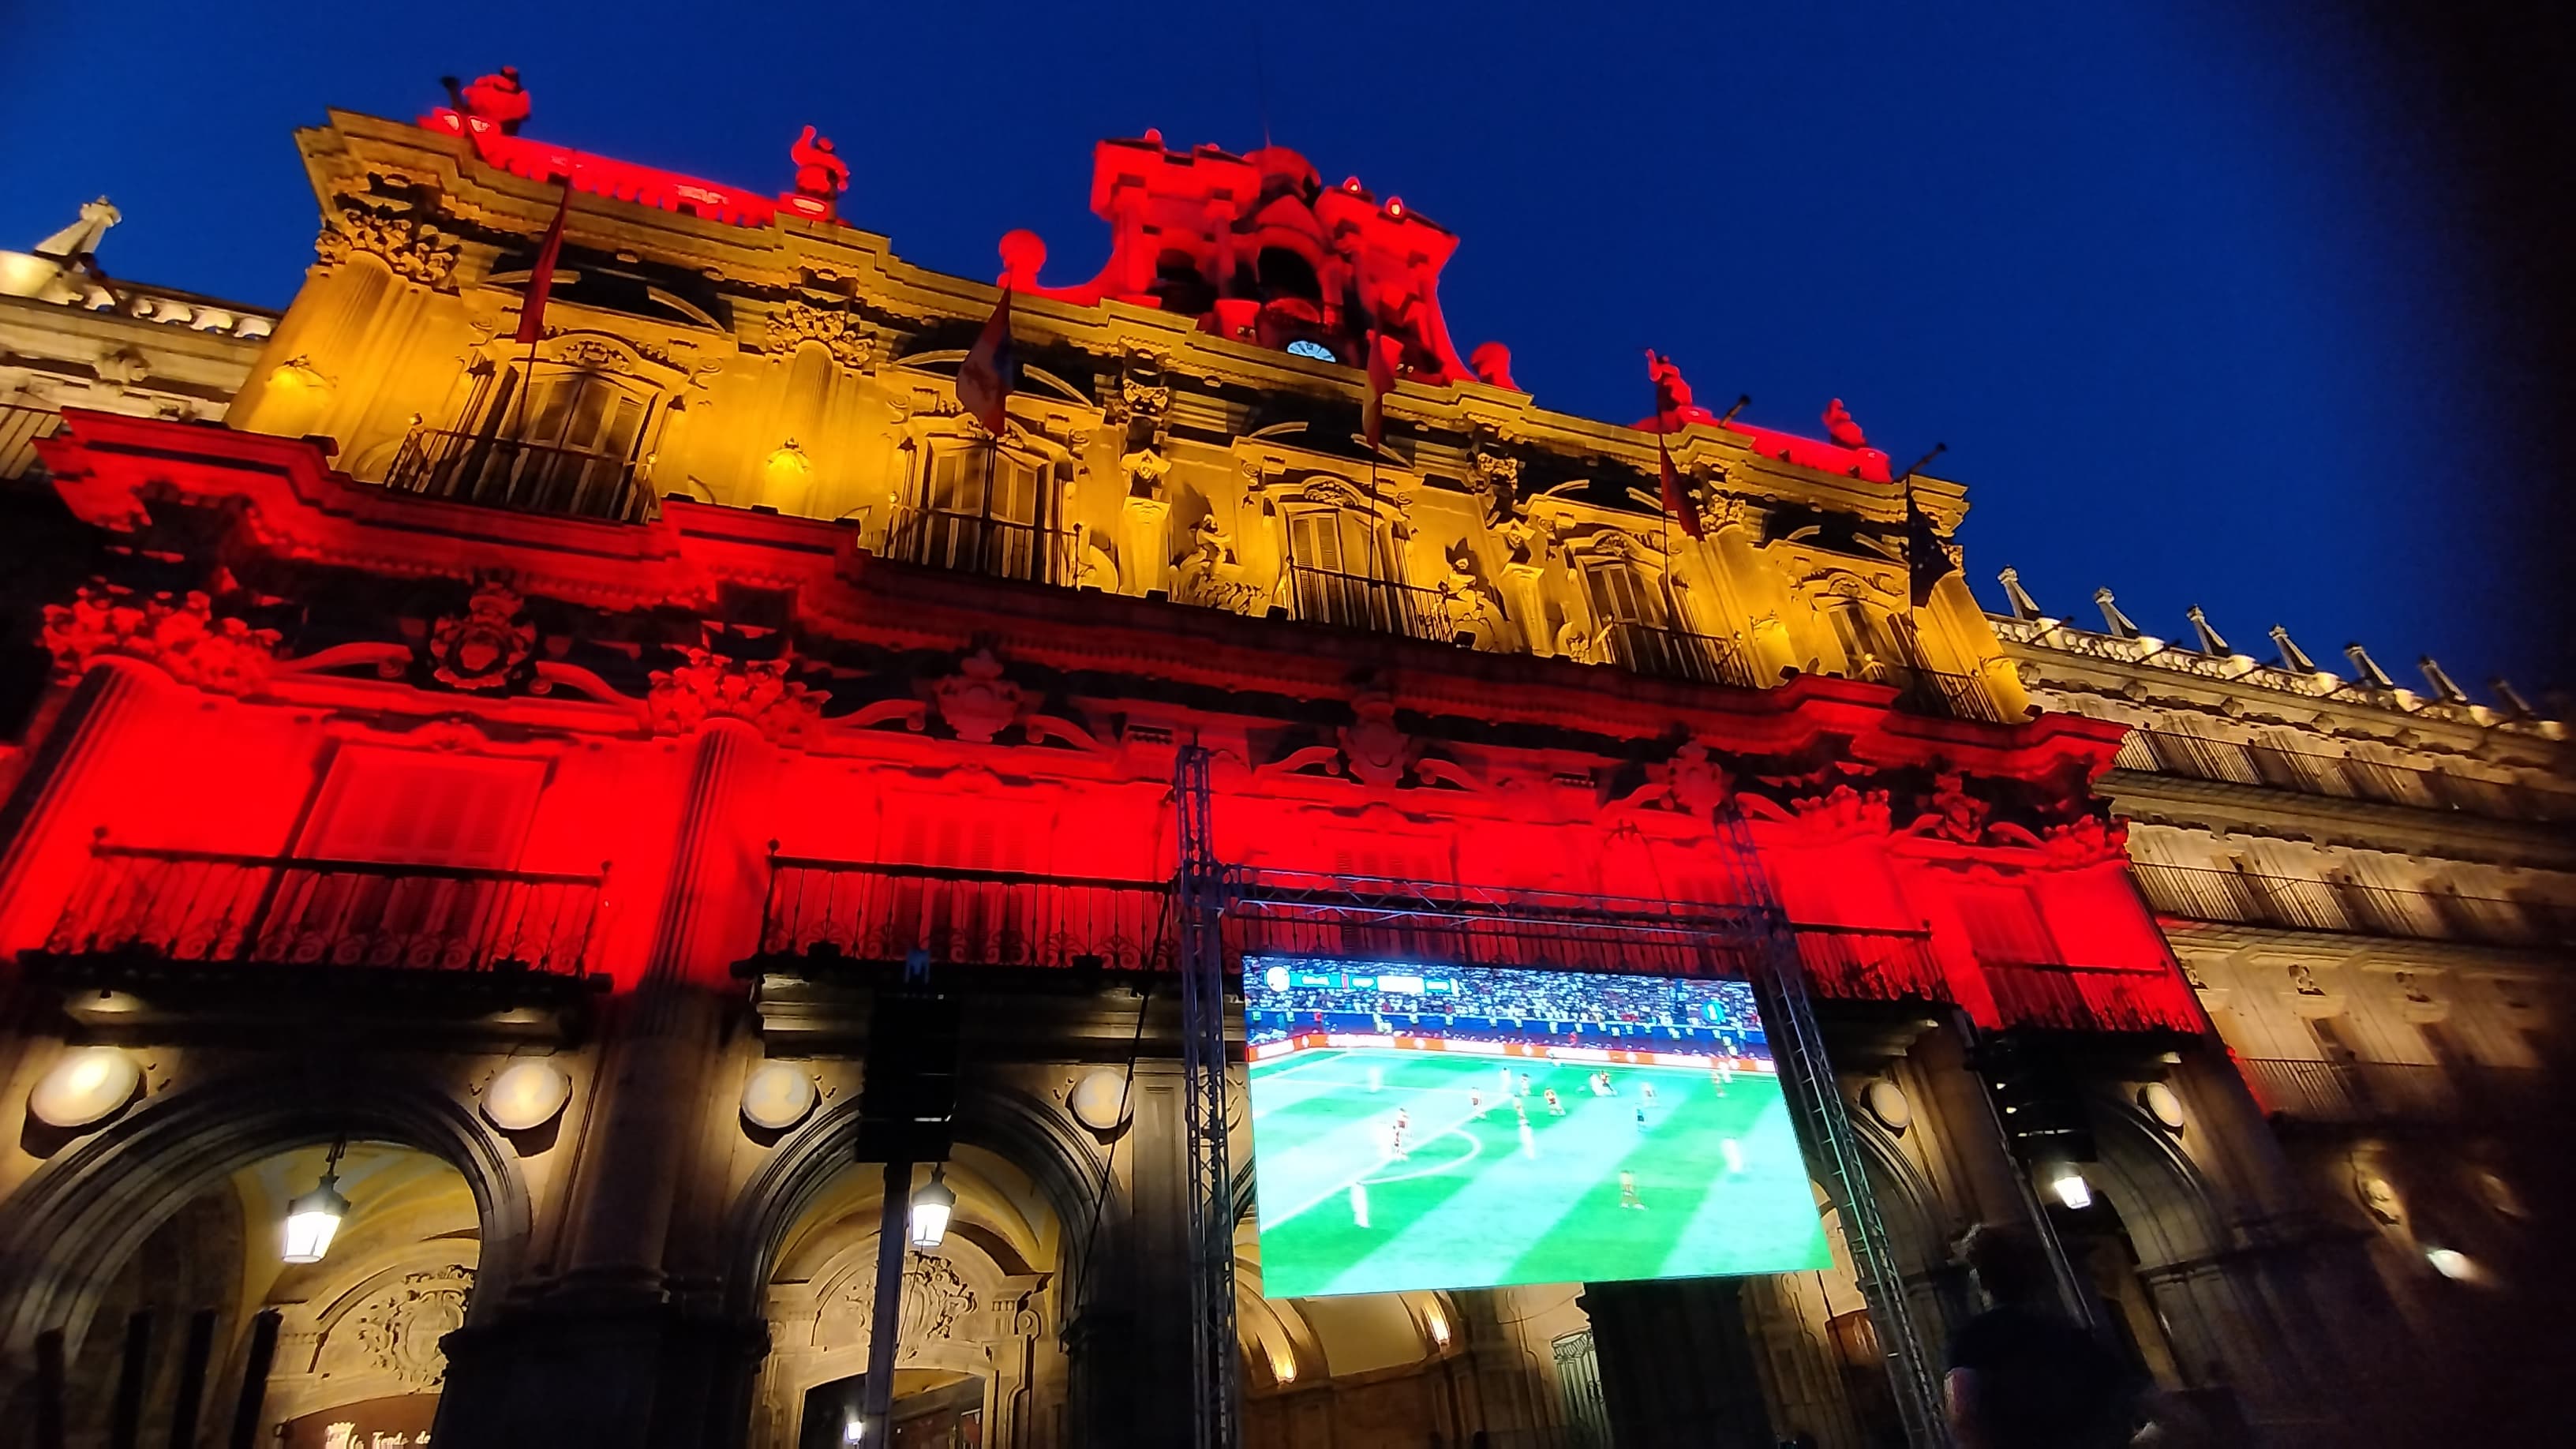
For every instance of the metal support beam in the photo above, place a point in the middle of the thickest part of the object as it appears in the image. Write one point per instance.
(1807, 1076)
(1199, 888)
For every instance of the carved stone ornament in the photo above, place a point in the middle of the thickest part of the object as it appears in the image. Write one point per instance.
(1374, 748)
(976, 701)
(712, 686)
(1699, 783)
(182, 635)
(396, 1331)
(2085, 841)
(852, 345)
(1495, 477)
(933, 1302)
(489, 646)
(1211, 577)
(1145, 469)
(416, 251)
(1954, 814)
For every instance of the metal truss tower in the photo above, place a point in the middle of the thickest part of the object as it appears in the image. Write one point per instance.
(1798, 1048)
(1200, 889)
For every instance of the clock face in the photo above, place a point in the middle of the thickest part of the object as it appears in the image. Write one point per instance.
(1307, 347)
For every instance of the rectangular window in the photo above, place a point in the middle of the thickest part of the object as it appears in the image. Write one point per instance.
(411, 807)
(2005, 927)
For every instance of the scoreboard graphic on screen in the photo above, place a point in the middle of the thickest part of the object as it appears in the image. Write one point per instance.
(1421, 1127)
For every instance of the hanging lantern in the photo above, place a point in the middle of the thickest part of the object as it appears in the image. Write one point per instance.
(312, 1219)
(930, 1209)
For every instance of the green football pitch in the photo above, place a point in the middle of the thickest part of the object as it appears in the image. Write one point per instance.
(1473, 1201)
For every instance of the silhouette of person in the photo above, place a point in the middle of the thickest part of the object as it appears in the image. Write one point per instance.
(2022, 1376)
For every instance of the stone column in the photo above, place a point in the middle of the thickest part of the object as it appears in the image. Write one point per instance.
(42, 809)
(1677, 1365)
(618, 1350)
(665, 1034)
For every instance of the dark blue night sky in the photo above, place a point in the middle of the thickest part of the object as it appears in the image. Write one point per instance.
(2183, 294)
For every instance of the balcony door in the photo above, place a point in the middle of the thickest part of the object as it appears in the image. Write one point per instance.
(555, 439)
(982, 511)
(1338, 568)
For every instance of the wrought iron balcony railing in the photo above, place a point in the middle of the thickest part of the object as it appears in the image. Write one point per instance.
(1679, 654)
(855, 911)
(2061, 997)
(20, 427)
(217, 909)
(1941, 696)
(2368, 1093)
(510, 473)
(970, 543)
(1862, 965)
(2351, 908)
(2315, 772)
(1354, 601)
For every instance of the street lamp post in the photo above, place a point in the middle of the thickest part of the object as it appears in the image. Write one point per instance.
(918, 1220)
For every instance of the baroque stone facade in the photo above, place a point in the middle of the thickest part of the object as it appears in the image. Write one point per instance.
(518, 779)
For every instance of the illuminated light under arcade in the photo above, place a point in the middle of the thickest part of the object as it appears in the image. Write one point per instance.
(931, 1207)
(2072, 1190)
(313, 1219)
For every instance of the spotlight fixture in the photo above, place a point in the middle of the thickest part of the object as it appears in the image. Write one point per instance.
(312, 1219)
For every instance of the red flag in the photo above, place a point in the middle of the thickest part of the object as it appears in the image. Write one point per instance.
(984, 378)
(1676, 502)
(1381, 381)
(541, 277)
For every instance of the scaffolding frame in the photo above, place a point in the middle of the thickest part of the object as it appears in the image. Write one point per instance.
(1749, 927)
(1200, 888)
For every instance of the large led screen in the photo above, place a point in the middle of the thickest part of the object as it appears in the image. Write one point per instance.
(1418, 1127)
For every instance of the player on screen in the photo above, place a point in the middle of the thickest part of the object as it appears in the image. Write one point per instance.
(1733, 1152)
(1628, 1191)
(1476, 1100)
(1555, 1108)
(1646, 1090)
(1641, 1116)
(1524, 1085)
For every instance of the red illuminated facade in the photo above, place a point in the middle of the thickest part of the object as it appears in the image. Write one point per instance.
(357, 784)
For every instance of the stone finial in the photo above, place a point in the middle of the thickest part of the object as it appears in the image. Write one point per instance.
(2443, 689)
(2211, 642)
(2514, 704)
(2120, 625)
(2023, 605)
(2292, 656)
(2366, 669)
(81, 237)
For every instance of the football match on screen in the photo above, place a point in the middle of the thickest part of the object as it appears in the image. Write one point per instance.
(1420, 1127)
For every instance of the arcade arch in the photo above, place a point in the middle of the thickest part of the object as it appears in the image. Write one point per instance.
(155, 1264)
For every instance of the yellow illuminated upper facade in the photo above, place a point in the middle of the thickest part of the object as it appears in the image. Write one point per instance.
(799, 366)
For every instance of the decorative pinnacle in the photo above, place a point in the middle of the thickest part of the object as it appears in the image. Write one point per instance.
(2514, 704)
(2371, 676)
(2210, 641)
(2120, 625)
(2443, 688)
(2292, 656)
(2023, 605)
